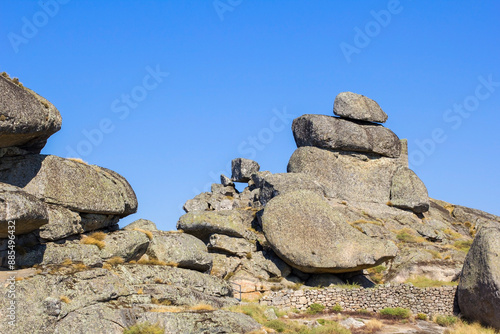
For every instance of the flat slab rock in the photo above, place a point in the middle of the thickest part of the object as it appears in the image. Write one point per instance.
(310, 235)
(71, 184)
(335, 133)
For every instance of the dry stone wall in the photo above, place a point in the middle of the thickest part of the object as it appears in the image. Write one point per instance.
(439, 300)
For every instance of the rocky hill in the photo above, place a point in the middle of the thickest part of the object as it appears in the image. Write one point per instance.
(349, 210)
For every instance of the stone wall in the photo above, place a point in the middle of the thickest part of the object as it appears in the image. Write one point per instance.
(440, 300)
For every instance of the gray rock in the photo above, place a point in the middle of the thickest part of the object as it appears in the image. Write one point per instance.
(74, 185)
(242, 169)
(62, 223)
(358, 107)
(334, 133)
(198, 203)
(142, 224)
(350, 323)
(408, 191)
(183, 249)
(226, 181)
(231, 245)
(107, 301)
(478, 290)
(224, 190)
(223, 265)
(272, 185)
(270, 314)
(26, 211)
(324, 280)
(27, 120)
(128, 245)
(202, 224)
(310, 235)
(52, 253)
(93, 221)
(346, 176)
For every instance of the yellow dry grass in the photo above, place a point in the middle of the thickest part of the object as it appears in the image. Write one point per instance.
(149, 234)
(65, 299)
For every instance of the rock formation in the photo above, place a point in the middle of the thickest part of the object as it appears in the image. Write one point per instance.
(348, 203)
(79, 272)
(348, 210)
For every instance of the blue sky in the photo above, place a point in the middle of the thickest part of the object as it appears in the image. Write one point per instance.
(170, 91)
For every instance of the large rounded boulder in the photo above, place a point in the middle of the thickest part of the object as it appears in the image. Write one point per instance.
(479, 287)
(310, 235)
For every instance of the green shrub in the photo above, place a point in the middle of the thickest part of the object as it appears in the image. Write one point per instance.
(278, 325)
(396, 313)
(337, 308)
(315, 308)
(446, 320)
(144, 328)
(422, 316)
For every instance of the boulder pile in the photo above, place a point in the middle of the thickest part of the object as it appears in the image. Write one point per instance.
(348, 210)
(75, 270)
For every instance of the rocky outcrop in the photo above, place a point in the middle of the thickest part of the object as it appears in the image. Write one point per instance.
(479, 287)
(27, 120)
(334, 133)
(110, 300)
(358, 107)
(308, 234)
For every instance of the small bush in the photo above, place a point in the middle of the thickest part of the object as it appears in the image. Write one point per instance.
(249, 255)
(446, 320)
(337, 308)
(144, 328)
(297, 286)
(422, 316)
(278, 325)
(315, 308)
(396, 313)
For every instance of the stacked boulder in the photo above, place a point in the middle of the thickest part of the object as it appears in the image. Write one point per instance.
(76, 271)
(355, 158)
(347, 204)
(47, 199)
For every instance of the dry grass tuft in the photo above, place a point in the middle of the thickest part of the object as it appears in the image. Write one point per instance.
(463, 327)
(149, 234)
(96, 239)
(67, 262)
(140, 291)
(115, 260)
(76, 159)
(372, 326)
(65, 299)
(202, 308)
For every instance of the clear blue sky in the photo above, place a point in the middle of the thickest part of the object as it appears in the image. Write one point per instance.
(233, 66)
